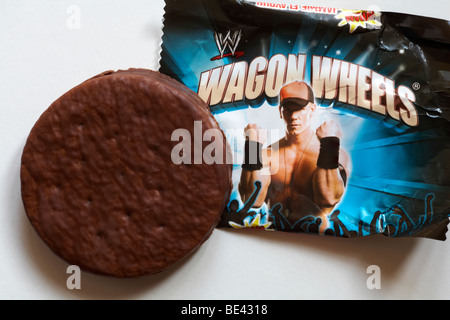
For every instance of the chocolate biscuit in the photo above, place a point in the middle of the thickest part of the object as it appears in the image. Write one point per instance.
(98, 181)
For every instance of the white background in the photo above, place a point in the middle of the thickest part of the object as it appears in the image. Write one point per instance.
(43, 54)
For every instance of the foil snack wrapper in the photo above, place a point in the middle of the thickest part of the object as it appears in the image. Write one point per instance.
(287, 76)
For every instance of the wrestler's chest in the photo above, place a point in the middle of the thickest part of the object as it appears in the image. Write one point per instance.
(294, 175)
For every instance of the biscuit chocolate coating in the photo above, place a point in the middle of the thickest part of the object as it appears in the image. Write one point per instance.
(98, 182)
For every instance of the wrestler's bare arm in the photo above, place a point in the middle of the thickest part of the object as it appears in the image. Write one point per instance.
(247, 186)
(329, 184)
(248, 177)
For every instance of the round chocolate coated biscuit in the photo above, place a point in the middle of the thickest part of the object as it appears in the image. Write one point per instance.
(98, 179)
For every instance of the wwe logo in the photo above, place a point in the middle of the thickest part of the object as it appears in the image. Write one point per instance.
(229, 41)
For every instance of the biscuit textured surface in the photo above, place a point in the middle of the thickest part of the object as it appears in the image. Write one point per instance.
(98, 181)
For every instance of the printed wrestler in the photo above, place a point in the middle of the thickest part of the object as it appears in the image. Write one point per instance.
(306, 171)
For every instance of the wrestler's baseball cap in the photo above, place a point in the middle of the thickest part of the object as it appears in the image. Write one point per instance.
(296, 93)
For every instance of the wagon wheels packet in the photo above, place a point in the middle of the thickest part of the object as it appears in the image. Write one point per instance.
(338, 119)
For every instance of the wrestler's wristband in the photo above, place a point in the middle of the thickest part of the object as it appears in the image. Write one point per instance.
(329, 153)
(252, 155)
